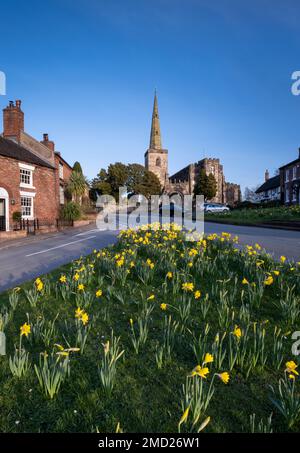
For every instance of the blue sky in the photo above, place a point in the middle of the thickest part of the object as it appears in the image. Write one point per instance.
(86, 71)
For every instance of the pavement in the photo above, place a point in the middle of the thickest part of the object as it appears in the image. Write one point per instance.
(33, 256)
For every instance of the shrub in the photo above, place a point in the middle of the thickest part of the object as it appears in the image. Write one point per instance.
(71, 211)
(245, 205)
(17, 216)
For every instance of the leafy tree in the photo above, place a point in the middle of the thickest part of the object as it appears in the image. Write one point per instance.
(77, 168)
(142, 181)
(103, 188)
(150, 185)
(117, 175)
(136, 174)
(135, 177)
(211, 191)
(77, 186)
(206, 185)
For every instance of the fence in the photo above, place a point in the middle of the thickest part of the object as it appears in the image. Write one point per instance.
(60, 223)
(31, 226)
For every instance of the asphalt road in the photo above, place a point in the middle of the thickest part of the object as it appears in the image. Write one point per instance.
(33, 256)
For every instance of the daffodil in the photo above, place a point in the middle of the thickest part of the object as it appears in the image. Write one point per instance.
(40, 287)
(99, 293)
(237, 332)
(169, 275)
(151, 297)
(283, 259)
(84, 318)
(184, 416)
(63, 279)
(25, 329)
(150, 264)
(78, 313)
(204, 424)
(197, 294)
(291, 367)
(245, 281)
(81, 287)
(200, 371)
(208, 358)
(224, 377)
(269, 280)
(187, 287)
(163, 306)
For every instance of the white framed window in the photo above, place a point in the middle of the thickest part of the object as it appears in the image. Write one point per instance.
(26, 175)
(61, 170)
(294, 173)
(287, 195)
(61, 195)
(287, 175)
(27, 207)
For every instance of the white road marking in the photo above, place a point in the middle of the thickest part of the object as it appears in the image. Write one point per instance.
(87, 232)
(60, 246)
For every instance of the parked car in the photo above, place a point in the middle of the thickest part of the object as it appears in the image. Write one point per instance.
(212, 208)
(170, 210)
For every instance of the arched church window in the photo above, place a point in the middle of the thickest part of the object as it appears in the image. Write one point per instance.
(158, 162)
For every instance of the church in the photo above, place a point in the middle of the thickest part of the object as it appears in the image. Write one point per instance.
(183, 181)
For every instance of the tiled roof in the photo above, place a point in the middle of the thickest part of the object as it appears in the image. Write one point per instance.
(271, 183)
(9, 148)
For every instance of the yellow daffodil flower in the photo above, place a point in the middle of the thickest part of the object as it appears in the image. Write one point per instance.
(224, 377)
(208, 358)
(25, 329)
(237, 332)
(187, 286)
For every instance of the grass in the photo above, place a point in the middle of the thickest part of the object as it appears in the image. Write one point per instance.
(134, 280)
(258, 216)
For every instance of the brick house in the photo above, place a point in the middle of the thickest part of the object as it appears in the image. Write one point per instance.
(33, 175)
(290, 182)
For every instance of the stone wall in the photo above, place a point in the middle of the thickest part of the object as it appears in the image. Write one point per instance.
(156, 161)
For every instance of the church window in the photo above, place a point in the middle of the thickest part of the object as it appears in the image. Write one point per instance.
(158, 162)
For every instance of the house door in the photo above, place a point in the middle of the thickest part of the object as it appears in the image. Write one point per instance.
(2, 215)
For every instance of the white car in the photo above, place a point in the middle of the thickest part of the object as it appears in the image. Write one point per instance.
(212, 208)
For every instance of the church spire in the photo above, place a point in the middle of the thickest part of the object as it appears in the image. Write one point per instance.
(155, 137)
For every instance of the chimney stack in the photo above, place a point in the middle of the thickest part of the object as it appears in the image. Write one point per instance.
(13, 120)
(267, 175)
(48, 142)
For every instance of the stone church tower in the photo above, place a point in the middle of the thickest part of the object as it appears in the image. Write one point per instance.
(183, 182)
(156, 158)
